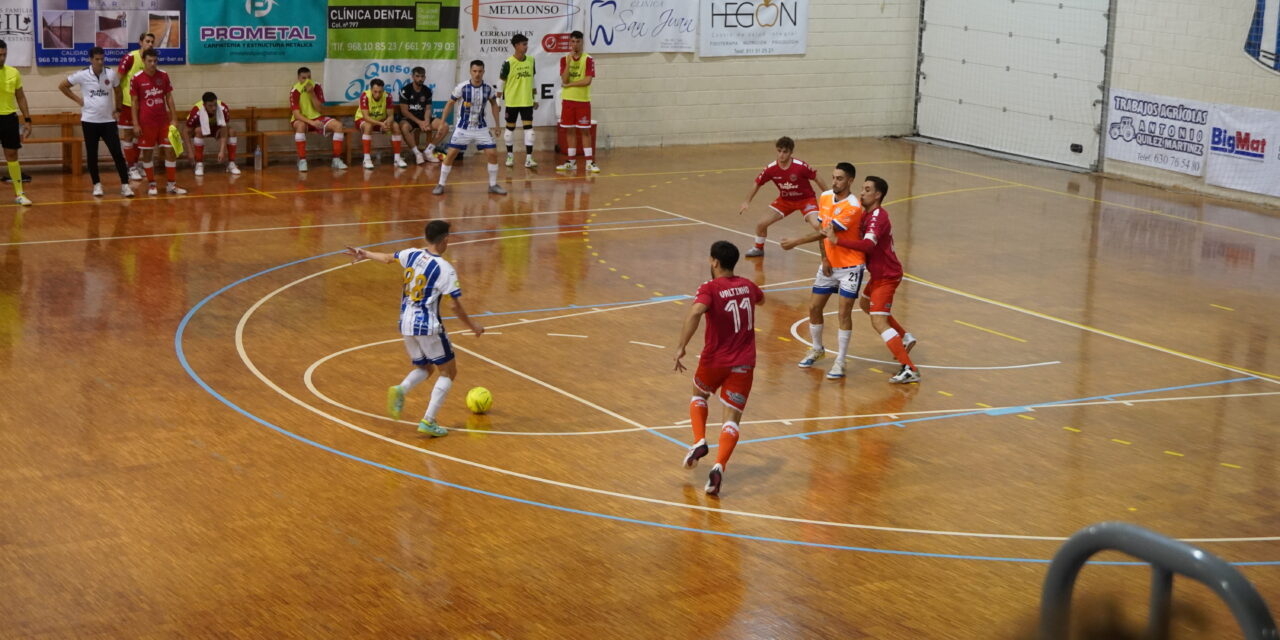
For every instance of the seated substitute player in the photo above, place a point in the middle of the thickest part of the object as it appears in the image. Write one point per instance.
(886, 274)
(472, 126)
(791, 176)
(374, 113)
(304, 100)
(427, 278)
(153, 114)
(728, 357)
(842, 269)
(211, 118)
(413, 116)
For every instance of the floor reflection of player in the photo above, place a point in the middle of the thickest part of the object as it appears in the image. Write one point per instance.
(11, 294)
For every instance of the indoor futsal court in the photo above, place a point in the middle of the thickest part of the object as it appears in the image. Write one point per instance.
(199, 435)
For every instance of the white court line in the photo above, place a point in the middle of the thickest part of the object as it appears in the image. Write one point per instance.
(248, 362)
(566, 335)
(1029, 312)
(646, 344)
(315, 226)
(795, 331)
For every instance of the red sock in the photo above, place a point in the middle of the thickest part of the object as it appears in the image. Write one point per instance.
(151, 173)
(899, 351)
(897, 327)
(366, 142)
(395, 147)
(231, 152)
(302, 148)
(171, 173)
(131, 155)
(698, 417)
(337, 148)
(199, 151)
(728, 439)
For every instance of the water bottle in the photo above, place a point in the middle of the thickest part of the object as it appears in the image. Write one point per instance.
(257, 159)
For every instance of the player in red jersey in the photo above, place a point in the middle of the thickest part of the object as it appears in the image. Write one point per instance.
(886, 275)
(153, 114)
(130, 66)
(791, 176)
(211, 118)
(728, 355)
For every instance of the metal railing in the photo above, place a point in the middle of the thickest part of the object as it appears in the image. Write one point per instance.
(1167, 557)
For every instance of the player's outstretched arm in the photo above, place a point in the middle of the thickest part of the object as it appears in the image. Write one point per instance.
(357, 254)
(462, 315)
(791, 243)
(747, 203)
(864, 245)
(448, 106)
(691, 323)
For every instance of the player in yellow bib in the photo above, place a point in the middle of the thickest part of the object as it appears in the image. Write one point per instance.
(577, 70)
(12, 132)
(130, 66)
(519, 92)
(375, 112)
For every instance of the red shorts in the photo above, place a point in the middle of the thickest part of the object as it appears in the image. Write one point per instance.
(377, 126)
(880, 294)
(786, 207)
(734, 383)
(152, 134)
(324, 121)
(574, 114)
(125, 119)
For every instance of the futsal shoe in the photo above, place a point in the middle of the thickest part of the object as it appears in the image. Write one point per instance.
(511, 160)
(302, 165)
(695, 453)
(529, 163)
(497, 190)
(395, 401)
(571, 165)
(22, 200)
(429, 427)
(174, 190)
(233, 169)
(418, 158)
(813, 356)
(713, 480)
(909, 342)
(368, 163)
(592, 167)
(439, 190)
(126, 190)
(754, 252)
(152, 190)
(135, 173)
(400, 163)
(339, 164)
(97, 190)
(905, 376)
(837, 371)
(199, 168)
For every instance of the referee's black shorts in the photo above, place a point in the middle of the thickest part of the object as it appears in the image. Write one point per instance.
(10, 131)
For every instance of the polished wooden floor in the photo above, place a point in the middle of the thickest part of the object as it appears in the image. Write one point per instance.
(194, 444)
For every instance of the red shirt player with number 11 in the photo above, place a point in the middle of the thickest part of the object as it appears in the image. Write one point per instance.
(728, 356)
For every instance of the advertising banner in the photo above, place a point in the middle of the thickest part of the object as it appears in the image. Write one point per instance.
(386, 39)
(486, 33)
(1158, 131)
(67, 29)
(1244, 149)
(256, 31)
(641, 26)
(752, 27)
(18, 31)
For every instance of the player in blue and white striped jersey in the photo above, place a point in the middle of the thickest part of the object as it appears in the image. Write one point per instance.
(473, 126)
(428, 278)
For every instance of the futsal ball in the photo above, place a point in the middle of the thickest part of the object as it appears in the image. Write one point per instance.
(479, 400)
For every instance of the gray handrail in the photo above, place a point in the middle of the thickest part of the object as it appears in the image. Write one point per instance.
(1167, 557)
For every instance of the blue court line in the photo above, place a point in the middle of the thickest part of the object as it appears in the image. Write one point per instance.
(186, 366)
(994, 412)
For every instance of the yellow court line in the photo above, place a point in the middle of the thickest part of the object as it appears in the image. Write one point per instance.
(263, 193)
(1230, 466)
(1174, 453)
(1002, 335)
(946, 394)
(1110, 204)
(784, 339)
(1121, 441)
(1025, 417)
(1218, 306)
(1072, 429)
(1084, 327)
(983, 404)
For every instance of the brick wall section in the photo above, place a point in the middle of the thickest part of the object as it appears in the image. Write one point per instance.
(1191, 49)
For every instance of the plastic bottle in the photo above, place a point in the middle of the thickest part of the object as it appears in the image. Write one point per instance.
(257, 159)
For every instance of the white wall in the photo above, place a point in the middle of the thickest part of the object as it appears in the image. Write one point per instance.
(1190, 49)
(857, 79)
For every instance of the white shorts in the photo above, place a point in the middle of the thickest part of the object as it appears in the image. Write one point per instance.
(846, 280)
(429, 349)
(464, 137)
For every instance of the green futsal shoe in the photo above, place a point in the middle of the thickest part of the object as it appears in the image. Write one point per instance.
(395, 401)
(429, 426)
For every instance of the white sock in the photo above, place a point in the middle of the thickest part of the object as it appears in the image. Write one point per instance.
(431, 148)
(888, 334)
(438, 393)
(493, 174)
(444, 173)
(528, 138)
(586, 151)
(842, 340)
(414, 378)
(815, 334)
(573, 151)
(760, 243)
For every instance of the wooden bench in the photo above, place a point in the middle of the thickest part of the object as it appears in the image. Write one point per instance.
(342, 113)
